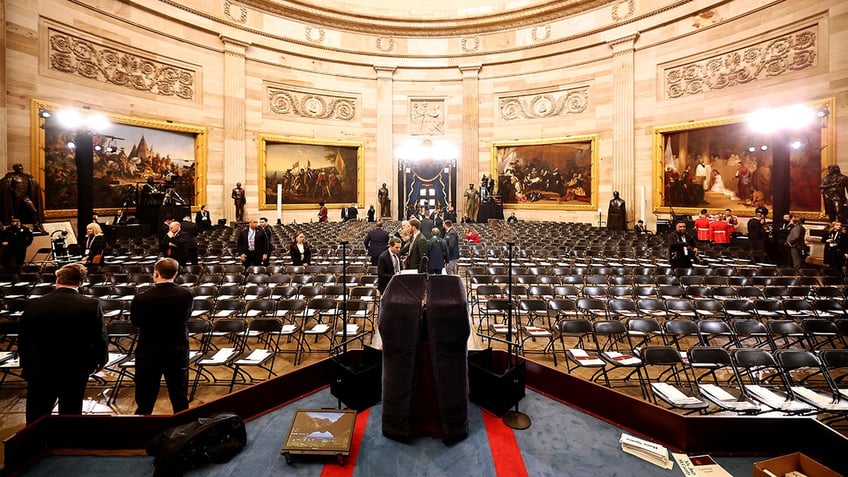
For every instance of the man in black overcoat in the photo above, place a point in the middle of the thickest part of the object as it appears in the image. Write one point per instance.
(376, 241)
(62, 340)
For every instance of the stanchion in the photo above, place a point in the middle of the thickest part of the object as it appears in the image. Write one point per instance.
(514, 418)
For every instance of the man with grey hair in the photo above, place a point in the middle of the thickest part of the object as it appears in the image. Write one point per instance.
(62, 340)
(161, 313)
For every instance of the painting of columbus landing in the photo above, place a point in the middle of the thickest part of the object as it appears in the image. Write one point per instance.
(722, 164)
(125, 156)
(307, 172)
(555, 173)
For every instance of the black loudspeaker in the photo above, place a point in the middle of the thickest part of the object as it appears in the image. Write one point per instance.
(495, 383)
(663, 227)
(357, 378)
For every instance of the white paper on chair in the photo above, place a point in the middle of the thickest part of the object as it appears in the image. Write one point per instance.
(674, 395)
(774, 400)
(621, 358)
(257, 356)
(819, 400)
(220, 357)
(584, 358)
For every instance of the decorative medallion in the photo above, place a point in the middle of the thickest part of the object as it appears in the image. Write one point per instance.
(385, 44)
(541, 33)
(315, 35)
(544, 105)
(242, 12)
(623, 9)
(470, 44)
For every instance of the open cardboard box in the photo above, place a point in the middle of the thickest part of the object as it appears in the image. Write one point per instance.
(779, 466)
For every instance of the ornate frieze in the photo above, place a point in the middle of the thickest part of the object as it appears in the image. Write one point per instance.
(427, 117)
(774, 57)
(291, 102)
(544, 105)
(115, 65)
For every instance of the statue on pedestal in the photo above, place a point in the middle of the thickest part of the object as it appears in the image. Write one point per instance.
(617, 213)
(833, 187)
(21, 197)
(385, 201)
(239, 200)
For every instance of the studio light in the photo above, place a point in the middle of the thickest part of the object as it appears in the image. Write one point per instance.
(764, 147)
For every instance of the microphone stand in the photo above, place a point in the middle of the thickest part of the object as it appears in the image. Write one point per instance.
(514, 419)
(344, 296)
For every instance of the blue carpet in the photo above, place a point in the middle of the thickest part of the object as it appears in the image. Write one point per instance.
(560, 442)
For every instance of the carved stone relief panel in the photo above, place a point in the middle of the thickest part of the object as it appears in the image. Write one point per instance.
(543, 104)
(777, 56)
(288, 101)
(427, 117)
(105, 62)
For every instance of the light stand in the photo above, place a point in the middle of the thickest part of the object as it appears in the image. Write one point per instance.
(344, 296)
(600, 216)
(515, 418)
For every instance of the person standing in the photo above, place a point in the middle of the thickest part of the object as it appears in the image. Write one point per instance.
(16, 238)
(376, 242)
(239, 200)
(720, 231)
(94, 245)
(702, 228)
(62, 340)
(388, 264)
(756, 233)
(322, 212)
(175, 243)
(795, 242)
(781, 233)
(190, 230)
(161, 313)
(681, 247)
(299, 251)
(452, 240)
(251, 245)
(202, 219)
(472, 203)
(437, 256)
(266, 228)
(835, 246)
(418, 247)
(349, 213)
(371, 213)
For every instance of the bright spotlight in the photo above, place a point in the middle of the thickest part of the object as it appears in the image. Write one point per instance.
(98, 148)
(764, 147)
(751, 149)
(795, 145)
(71, 145)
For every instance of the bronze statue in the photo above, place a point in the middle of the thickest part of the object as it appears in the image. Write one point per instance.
(385, 201)
(833, 188)
(472, 203)
(239, 200)
(617, 213)
(21, 196)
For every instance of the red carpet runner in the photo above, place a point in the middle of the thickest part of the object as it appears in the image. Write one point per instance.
(505, 453)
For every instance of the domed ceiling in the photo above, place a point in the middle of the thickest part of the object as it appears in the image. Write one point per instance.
(422, 17)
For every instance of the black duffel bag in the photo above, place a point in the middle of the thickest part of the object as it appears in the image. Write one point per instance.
(213, 439)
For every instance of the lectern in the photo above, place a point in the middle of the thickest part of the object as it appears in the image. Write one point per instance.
(424, 326)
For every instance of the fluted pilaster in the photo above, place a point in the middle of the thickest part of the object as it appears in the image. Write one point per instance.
(468, 165)
(386, 163)
(623, 136)
(234, 125)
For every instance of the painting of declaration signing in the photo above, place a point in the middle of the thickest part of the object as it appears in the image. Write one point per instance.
(723, 164)
(555, 173)
(307, 172)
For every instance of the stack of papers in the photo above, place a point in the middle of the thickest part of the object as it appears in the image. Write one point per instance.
(646, 450)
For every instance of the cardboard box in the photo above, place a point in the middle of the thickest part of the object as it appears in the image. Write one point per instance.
(784, 464)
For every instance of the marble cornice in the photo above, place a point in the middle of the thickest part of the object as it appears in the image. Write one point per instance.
(424, 27)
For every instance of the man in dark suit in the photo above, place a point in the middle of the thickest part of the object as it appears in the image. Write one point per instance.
(175, 243)
(252, 245)
(161, 313)
(427, 225)
(419, 247)
(203, 219)
(681, 247)
(388, 264)
(376, 242)
(62, 341)
(349, 213)
(266, 228)
(190, 229)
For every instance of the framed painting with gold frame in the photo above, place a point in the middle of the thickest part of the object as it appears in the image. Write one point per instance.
(128, 152)
(559, 173)
(307, 171)
(722, 163)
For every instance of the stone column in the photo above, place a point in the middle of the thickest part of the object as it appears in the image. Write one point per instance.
(234, 126)
(623, 136)
(468, 164)
(386, 164)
